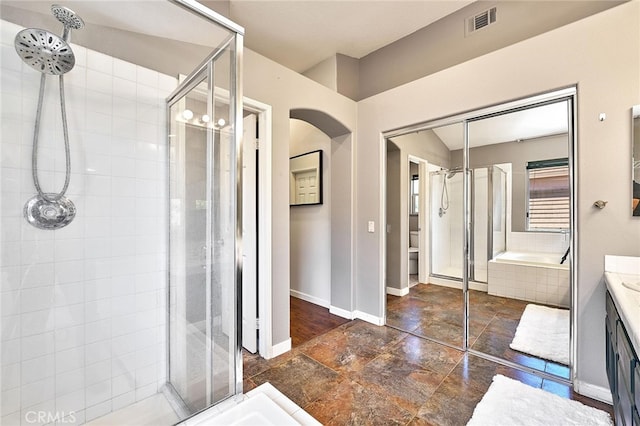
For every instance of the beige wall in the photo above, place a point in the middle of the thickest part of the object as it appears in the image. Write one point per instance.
(283, 89)
(601, 55)
(444, 44)
(325, 73)
(310, 226)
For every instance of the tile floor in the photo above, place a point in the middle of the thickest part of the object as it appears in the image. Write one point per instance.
(435, 311)
(359, 373)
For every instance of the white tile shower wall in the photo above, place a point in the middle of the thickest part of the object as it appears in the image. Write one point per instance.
(83, 307)
(540, 242)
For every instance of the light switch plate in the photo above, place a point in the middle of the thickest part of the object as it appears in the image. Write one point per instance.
(371, 227)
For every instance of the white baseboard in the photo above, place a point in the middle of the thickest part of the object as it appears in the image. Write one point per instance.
(398, 291)
(368, 318)
(342, 313)
(592, 391)
(309, 298)
(280, 348)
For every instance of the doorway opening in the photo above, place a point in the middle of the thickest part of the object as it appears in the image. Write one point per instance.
(321, 232)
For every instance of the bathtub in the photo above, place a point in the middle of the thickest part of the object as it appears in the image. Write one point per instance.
(534, 277)
(544, 260)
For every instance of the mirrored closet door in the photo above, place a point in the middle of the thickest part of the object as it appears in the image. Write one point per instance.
(478, 252)
(424, 234)
(519, 283)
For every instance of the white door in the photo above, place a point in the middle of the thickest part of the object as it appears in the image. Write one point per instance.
(249, 240)
(306, 187)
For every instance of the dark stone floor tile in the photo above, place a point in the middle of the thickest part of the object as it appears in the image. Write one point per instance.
(352, 404)
(253, 364)
(406, 313)
(473, 371)
(405, 384)
(452, 404)
(434, 356)
(440, 330)
(350, 348)
(301, 379)
(247, 385)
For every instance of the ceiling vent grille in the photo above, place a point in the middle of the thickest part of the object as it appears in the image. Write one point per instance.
(481, 20)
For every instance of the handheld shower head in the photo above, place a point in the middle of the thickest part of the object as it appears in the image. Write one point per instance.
(70, 20)
(67, 16)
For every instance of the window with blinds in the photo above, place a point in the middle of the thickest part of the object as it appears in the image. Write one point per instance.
(549, 202)
(414, 195)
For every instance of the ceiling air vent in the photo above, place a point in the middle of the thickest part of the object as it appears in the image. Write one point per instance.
(481, 20)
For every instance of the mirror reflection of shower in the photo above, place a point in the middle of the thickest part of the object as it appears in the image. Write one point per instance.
(50, 55)
(444, 196)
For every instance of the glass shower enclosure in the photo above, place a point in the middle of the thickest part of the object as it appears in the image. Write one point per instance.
(488, 234)
(204, 354)
(129, 307)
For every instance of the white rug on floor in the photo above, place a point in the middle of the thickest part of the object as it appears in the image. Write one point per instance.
(509, 403)
(543, 332)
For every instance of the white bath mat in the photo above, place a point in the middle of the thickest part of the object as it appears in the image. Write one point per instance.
(509, 402)
(543, 332)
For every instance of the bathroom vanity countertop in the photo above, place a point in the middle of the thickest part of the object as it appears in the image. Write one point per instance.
(628, 303)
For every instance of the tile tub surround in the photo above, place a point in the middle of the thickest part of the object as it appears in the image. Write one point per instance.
(619, 269)
(83, 307)
(541, 284)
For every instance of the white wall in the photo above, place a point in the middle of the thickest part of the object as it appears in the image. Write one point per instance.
(310, 228)
(601, 55)
(83, 307)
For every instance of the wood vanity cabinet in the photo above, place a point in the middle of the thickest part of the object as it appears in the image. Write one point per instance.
(623, 369)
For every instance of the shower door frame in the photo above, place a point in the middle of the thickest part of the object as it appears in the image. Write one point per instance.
(204, 72)
(567, 94)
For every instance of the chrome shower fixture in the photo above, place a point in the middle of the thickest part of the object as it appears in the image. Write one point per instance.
(50, 55)
(44, 52)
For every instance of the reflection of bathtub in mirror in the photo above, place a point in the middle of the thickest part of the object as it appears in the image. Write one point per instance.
(535, 277)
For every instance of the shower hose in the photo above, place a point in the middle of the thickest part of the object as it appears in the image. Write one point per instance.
(34, 155)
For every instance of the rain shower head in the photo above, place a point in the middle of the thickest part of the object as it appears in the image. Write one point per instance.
(44, 51)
